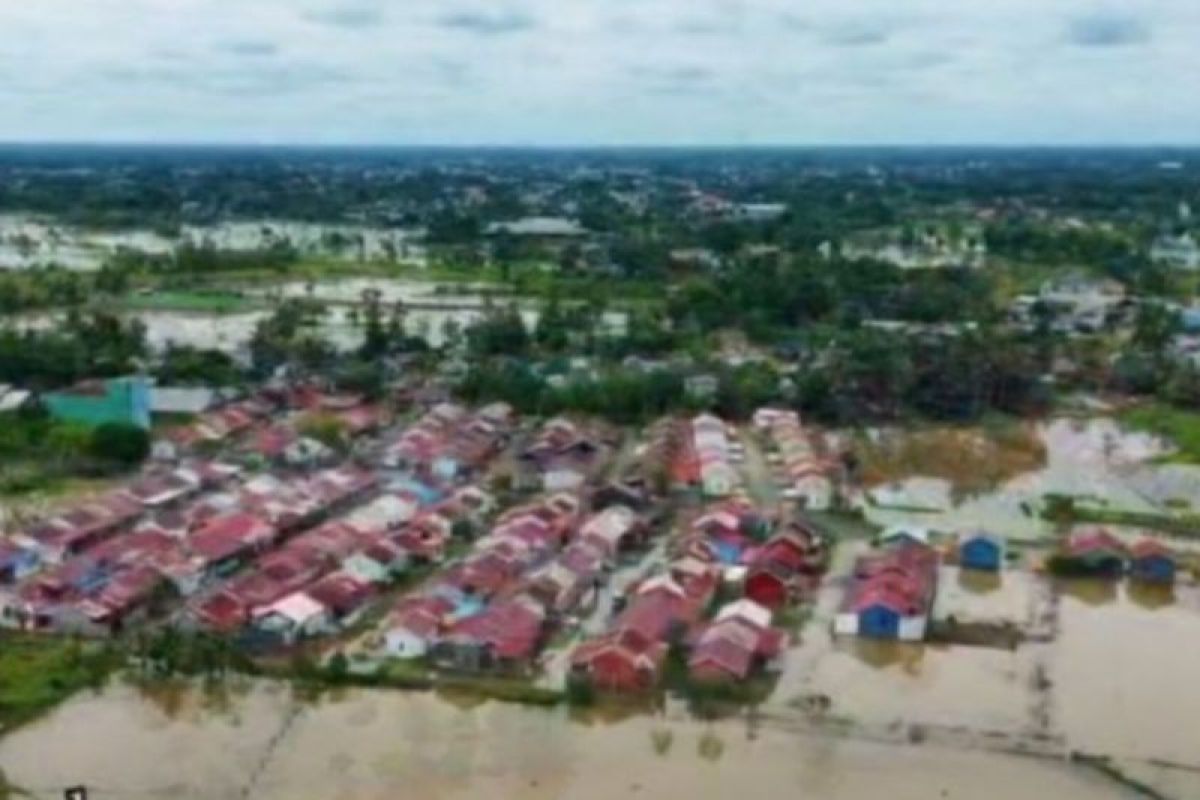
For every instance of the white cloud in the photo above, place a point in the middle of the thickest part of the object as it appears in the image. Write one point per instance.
(600, 71)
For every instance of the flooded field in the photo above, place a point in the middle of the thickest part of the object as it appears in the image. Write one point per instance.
(931, 478)
(882, 684)
(28, 241)
(353, 290)
(435, 314)
(375, 745)
(1125, 670)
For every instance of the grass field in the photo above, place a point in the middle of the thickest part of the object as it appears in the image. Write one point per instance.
(210, 302)
(37, 673)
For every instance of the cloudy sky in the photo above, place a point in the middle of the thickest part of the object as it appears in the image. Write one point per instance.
(561, 72)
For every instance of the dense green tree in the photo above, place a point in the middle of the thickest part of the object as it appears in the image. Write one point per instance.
(120, 443)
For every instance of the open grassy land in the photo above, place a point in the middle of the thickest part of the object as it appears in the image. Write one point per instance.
(37, 673)
(528, 279)
(1180, 427)
(31, 489)
(209, 302)
(1067, 511)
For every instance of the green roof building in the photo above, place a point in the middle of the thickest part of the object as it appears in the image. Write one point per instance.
(96, 402)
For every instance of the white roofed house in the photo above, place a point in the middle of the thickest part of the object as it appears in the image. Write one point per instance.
(612, 530)
(379, 562)
(384, 513)
(807, 475)
(182, 399)
(295, 617)
(718, 478)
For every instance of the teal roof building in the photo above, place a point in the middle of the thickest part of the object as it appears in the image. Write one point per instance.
(96, 402)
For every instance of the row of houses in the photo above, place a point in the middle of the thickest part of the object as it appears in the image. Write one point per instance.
(562, 455)
(1095, 552)
(713, 448)
(774, 564)
(451, 443)
(265, 424)
(179, 549)
(730, 544)
(218, 425)
(806, 473)
(492, 609)
(187, 528)
(51, 566)
(670, 452)
(66, 533)
(322, 579)
(891, 591)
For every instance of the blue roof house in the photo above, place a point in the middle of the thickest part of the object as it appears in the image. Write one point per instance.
(981, 551)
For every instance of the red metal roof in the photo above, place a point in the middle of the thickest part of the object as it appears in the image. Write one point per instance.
(229, 535)
(511, 628)
(723, 653)
(221, 612)
(899, 577)
(1150, 548)
(1094, 541)
(340, 592)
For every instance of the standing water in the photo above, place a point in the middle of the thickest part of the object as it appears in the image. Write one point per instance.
(371, 745)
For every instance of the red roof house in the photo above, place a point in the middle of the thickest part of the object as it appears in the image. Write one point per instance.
(620, 662)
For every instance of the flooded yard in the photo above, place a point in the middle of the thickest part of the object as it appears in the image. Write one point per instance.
(970, 596)
(365, 745)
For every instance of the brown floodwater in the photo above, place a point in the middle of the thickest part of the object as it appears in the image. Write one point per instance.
(371, 745)
(1125, 670)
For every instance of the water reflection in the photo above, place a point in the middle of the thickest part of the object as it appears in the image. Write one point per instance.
(884, 653)
(192, 699)
(1150, 596)
(980, 582)
(1092, 591)
(614, 710)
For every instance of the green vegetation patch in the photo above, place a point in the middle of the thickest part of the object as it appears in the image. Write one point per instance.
(38, 673)
(210, 302)
(1180, 427)
(1066, 510)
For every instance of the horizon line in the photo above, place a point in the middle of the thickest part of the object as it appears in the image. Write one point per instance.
(116, 144)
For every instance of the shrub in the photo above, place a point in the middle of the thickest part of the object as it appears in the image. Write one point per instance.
(119, 443)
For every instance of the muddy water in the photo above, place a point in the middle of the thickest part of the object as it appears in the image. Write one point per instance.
(375, 745)
(1125, 670)
(1092, 458)
(985, 597)
(878, 685)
